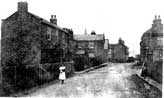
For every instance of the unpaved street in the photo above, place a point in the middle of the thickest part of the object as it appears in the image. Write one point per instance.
(113, 81)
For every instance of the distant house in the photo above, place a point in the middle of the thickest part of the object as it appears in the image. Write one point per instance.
(118, 52)
(91, 44)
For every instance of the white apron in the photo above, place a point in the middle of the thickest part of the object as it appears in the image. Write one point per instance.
(62, 74)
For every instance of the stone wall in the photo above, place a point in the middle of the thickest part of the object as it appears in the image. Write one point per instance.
(53, 69)
(155, 70)
(20, 44)
(20, 41)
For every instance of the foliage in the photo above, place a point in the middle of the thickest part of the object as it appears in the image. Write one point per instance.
(96, 61)
(20, 53)
(80, 63)
(130, 59)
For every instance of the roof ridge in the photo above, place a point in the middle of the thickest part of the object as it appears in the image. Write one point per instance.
(46, 21)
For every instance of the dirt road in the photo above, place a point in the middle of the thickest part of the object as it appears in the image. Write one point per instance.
(116, 80)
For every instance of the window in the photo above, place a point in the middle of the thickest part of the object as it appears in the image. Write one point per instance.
(56, 33)
(91, 44)
(49, 33)
(91, 55)
(109, 51)
(79, 47)
(161, 54)
(149, 55)
(160, 41)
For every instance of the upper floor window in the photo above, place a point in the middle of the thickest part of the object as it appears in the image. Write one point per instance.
(161, 54)
(91, 55)
(49, 33)
(57, 33)
(160, 41)
(79, 46)
(91, 44)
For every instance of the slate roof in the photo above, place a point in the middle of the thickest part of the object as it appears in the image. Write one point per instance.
(112, 45)
(41, 19)
(46, 22)
(89, 37)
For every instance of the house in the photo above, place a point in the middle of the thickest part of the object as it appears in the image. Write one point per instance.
(36, 38)
(151, 49)
(91, 44)
(29, 42)
(118, 52)
(151, 45)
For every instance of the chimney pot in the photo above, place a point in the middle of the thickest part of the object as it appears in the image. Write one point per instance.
(155, 17)
(51, 16)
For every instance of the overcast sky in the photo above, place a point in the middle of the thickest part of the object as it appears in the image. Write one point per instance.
(127, 19)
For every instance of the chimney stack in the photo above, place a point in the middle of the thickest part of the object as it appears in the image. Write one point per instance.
(155, 20)
(157, 26)
(93, 32)
(159, 19)
(53, 19)
(155, 17)
(22, 6)
(120, 41)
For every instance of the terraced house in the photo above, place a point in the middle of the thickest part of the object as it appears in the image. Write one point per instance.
(151, 49)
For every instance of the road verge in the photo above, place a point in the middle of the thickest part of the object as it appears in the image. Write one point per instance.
(151, 82)
(92, 68)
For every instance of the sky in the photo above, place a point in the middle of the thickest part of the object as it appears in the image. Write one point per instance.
(126, 19)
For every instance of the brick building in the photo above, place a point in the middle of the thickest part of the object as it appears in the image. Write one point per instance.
(151, 49)
(29, 41)
(118, 52)
(92, 45)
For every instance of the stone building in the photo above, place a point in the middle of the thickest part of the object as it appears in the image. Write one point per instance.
(29, 41)
(151, 49)
(24, 30)
(151, 45)
(91, 44)
(118, 52)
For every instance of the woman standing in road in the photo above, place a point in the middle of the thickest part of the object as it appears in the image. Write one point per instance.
(62, 75)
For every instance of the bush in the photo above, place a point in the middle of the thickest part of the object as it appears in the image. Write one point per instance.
(130, 59)
(81, 63)
(95, 61)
